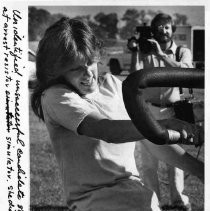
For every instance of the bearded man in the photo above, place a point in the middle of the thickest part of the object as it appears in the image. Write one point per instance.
(162, 52)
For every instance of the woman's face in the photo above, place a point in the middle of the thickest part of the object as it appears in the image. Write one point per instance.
(83, 77)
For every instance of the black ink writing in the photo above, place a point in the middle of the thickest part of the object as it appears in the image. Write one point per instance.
(16, 16)
(16, 38)
(12, 41)
(9, 114)
(17, 114)
(21, 172)
(9, 159)
(4, 14)
(10, 196)
(5, 42)
(16, 66)
(20, 207)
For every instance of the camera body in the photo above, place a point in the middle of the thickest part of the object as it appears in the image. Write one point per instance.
(145, 32)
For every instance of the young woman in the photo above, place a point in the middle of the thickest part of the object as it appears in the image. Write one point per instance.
(91, 132)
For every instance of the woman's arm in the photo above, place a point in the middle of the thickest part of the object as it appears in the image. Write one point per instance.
(120, 131)
(113, 131)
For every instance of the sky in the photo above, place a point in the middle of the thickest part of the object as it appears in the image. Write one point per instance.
(195, 14)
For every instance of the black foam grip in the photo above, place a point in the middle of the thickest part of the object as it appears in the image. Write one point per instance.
(134, 85)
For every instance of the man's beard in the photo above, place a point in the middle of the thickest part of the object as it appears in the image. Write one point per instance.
(163, 40)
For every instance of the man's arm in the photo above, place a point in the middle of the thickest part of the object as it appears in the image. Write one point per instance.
(136, 63)
(185, 60)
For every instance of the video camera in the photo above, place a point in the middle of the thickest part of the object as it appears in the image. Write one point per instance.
(145, 33)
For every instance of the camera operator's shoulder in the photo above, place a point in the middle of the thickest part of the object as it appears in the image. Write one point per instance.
(186, 50)
(182, 51)
(183, 48)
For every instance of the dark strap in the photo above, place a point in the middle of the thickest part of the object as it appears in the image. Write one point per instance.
(178, 59)
(177, 54)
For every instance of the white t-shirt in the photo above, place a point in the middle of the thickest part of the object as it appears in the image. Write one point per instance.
(96, 175)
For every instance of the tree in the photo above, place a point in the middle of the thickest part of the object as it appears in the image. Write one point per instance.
(107, 24)
(83, 17)
(134, 18)
(39, 21)
(180, 19)
(131, 19)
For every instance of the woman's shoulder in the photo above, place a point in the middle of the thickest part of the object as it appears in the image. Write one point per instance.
(110, 82)
(108, 78)
(52, 90)
(58, 91)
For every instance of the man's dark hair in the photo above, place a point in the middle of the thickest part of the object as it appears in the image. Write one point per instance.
(162, 17)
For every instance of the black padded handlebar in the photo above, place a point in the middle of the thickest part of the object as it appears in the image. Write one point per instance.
(136, 106)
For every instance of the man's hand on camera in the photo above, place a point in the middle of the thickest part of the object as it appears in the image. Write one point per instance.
(133, 44)
(156, 49)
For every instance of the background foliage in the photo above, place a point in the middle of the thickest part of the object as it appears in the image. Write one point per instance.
(105, 25)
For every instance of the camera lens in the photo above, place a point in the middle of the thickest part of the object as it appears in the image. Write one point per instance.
(145, 46)
(145, 33)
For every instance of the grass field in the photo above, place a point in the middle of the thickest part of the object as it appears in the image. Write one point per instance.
(46, 186)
